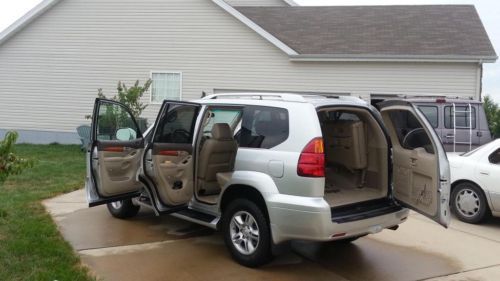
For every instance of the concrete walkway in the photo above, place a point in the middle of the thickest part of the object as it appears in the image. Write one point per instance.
(165, 248)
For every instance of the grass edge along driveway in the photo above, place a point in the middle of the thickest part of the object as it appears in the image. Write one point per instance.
(31, 247)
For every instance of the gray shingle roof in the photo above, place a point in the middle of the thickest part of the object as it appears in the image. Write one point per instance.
(431, 30)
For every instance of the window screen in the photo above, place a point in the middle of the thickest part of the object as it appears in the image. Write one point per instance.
(165, 86)
(263, 127)
(431, 113)
(462, 117)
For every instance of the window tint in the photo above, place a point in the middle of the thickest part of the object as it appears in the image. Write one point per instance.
(495, 157)
(409, 131)
(177, 125)
(431, 113)
(462, 117)
(115, 123)
(263, 127)
(338, 115)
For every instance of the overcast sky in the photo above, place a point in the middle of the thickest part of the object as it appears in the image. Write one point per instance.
(489, 11)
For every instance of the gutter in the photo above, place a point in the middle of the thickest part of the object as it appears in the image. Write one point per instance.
(393, 58)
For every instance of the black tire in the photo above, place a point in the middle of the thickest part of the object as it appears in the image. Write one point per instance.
(471, 190)
(126, 209)
(262, 251)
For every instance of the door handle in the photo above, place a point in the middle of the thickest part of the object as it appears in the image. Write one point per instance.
(484, 173)
(450, 136)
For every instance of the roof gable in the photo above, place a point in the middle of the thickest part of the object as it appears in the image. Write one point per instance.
(25, 20)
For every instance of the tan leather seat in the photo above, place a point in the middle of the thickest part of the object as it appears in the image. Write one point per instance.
(216, 156)
(346, 144)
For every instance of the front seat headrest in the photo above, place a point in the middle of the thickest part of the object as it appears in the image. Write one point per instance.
(222, 131)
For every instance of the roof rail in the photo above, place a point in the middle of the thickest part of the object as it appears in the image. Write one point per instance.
(295, 97)
(438, 96)
(259, 96)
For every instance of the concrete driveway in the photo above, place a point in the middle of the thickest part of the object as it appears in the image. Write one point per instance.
(164, 248)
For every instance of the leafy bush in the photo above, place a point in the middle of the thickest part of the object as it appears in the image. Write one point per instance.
(492, 111)
(10, 164)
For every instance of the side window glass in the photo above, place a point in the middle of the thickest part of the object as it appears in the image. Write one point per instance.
(431, 113)
(220, 115)
(263, 127)
(494, 158)
(410, 131)
(462, 117)
(114, 122)
(177, 125)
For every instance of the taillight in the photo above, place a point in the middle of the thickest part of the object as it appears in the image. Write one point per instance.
(312, 160)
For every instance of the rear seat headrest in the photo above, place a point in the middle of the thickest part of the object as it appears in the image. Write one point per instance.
(222, 131)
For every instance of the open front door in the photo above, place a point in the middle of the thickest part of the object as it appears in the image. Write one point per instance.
(115, 154)
(169, 159)
(421, 173)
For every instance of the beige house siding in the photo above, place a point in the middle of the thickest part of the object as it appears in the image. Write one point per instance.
(51, 70)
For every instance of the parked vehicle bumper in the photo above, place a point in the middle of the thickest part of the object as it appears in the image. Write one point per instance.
(299, 218)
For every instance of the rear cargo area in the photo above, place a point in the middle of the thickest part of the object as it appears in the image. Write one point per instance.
(356, 154)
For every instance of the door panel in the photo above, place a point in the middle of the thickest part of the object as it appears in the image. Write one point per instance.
(115, 155)
(420, 167)
(169, 159)
(172, 171)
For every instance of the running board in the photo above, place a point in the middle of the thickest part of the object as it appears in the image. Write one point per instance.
(197, 217)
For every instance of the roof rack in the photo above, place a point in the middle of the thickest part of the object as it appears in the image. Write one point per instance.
(295, 97)
(438, 97)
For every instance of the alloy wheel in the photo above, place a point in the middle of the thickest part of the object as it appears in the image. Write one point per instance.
(244, 232)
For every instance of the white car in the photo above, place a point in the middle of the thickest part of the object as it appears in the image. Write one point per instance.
(475, 178)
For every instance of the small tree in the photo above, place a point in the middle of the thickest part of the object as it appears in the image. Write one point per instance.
(131, 97)
(10, 164)
(492, 111)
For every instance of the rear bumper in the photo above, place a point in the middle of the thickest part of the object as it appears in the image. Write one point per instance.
(295, 217)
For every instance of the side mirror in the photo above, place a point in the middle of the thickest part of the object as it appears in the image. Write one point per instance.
(126, 134)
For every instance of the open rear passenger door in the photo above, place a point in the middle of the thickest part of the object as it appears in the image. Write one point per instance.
(115, 154)
(169, 162)
(421, 173)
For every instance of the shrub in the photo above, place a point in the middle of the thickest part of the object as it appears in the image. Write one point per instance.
(131, 97)
(10, 164)
(492, 111)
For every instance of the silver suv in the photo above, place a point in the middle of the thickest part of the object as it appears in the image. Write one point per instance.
(270, 168)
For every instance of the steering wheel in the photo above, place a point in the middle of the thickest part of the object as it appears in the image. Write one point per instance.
(181, 134)
(412, 137)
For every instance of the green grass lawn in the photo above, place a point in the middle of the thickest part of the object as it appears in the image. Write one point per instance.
(31, 248)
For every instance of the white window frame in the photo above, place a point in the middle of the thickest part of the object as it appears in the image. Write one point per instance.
(164, 72)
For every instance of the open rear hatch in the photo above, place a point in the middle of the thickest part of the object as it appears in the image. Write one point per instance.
(356, 156)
